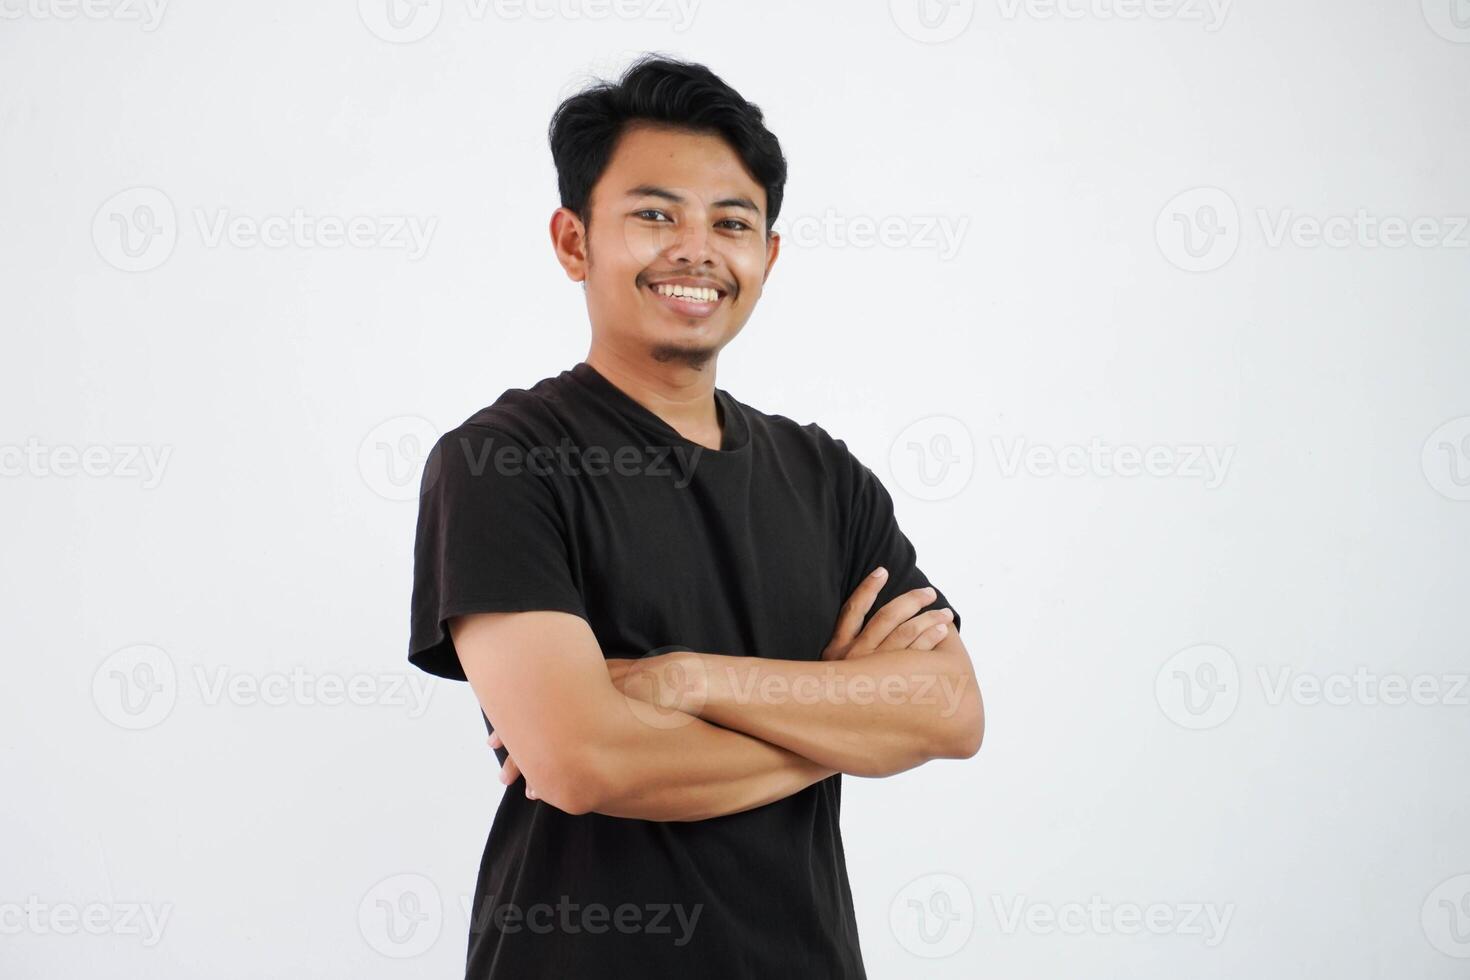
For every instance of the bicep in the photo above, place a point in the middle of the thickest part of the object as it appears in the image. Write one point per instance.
(489, 538)
(541, 679)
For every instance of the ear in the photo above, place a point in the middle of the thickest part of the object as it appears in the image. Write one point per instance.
(773, 249)
(569, 240)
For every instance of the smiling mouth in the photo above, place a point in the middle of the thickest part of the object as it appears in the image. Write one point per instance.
(693, 301)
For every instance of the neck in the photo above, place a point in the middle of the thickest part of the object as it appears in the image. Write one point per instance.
(682, 396)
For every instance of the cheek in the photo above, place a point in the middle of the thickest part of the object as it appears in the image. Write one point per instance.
(743, 258)
(638, 245)
(750, 273)
(609, 291)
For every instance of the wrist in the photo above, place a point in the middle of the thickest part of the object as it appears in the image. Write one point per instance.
(684, 682)
(719, 678)
(692, 671)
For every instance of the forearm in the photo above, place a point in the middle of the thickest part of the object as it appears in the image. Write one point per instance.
(872, 716)
(691, 771)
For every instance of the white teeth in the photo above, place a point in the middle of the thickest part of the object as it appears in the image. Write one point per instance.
(699, 293)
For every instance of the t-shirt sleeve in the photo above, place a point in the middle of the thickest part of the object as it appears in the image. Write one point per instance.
(490, 538)
(873, 538)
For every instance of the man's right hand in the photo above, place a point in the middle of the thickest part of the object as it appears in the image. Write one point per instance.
(897, 626)
(509, 772)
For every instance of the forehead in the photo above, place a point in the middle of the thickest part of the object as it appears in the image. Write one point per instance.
(677, 159)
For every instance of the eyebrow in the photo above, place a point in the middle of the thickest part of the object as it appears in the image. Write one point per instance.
(649, 190)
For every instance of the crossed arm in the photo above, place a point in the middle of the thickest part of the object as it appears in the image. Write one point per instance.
(688, 736)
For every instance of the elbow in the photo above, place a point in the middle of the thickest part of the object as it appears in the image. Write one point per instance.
(572, 799)
(962, 710)
(572, 785)
(589, 770)
(972, 737)
(965, 729)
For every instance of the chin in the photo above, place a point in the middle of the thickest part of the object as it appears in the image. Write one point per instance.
(692, 355)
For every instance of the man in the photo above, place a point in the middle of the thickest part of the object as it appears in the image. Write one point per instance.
(643, 580)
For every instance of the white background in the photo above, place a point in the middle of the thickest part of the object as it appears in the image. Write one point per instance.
(1131, 191)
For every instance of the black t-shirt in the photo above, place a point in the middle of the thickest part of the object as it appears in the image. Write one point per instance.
(572, 496)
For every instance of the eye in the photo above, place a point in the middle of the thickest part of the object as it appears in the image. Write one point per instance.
(653, 211)
(739, 225)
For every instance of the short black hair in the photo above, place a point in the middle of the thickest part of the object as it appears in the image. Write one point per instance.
(586, 127)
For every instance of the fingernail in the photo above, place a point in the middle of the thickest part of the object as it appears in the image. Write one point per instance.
(948, 612)
(943, 629)
(879, 572)
(929, 591)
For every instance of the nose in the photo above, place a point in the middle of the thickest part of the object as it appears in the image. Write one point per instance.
(691, 245)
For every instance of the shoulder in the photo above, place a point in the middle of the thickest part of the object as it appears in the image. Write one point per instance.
(806, 439)
(534, 416)
(507, 438)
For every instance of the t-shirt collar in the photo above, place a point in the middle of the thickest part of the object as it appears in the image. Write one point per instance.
(736, 430)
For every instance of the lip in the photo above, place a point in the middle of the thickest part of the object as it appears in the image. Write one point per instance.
(688, 307)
